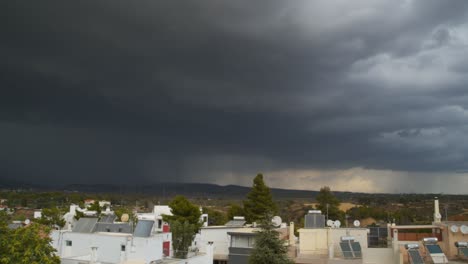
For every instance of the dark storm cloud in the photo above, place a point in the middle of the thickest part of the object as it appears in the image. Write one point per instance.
(210, 90)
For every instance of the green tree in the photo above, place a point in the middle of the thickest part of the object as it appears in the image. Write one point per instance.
(268, 247)
(259, 201)
(326, 198)
(78, 215)
(52, 217)
(26, 245)
(182, 237)
(235, 210)
(215, 217)
(123, 210)
(184, 222)
(95, 207)
(184, 211)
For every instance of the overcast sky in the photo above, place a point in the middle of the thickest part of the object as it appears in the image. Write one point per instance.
(362, 95)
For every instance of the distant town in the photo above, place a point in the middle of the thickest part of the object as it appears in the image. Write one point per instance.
(75, 227)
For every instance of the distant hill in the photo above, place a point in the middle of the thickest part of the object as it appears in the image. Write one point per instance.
(165, 189)
(196, 190)
(213, 191)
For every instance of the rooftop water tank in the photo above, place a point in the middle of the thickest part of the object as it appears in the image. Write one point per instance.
(314, 219)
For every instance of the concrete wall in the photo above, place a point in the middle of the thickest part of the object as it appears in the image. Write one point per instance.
(219, 237)
(147, 249)
(359, 234)
(317, 241)
(449, 238)
(313, 241)
(378, 256)
(109, 246)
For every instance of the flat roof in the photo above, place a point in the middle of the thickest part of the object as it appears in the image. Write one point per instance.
(223, 227)
(245, 231)
(417, 227)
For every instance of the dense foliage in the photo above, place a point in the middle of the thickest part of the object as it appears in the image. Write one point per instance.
(26, 245)
(269, 248)
(182, 237)
(215, 217)
(259, 201)
(52, 217)
(184, 222)
(235, 210)
(328, 203)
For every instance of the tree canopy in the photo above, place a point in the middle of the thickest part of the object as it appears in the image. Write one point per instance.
(26, 245)
(215, 217)
(259, 201)
(52, 217)
(182, 237)
(184, 223)
(183, 210)
(326, 197)
(235, 210)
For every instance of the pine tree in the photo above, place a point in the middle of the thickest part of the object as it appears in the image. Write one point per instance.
(182, 237)
(268, 247)
(184, 222)
(259, 201)
(184, 211)
(326, 197)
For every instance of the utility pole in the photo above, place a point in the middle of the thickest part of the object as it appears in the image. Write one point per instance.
(327, 210)
(446, 212)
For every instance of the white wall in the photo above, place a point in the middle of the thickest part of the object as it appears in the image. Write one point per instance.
(147, 249)
(109, 246)
(316, 241)
(313, 241)
(219, 237)
(359, 234)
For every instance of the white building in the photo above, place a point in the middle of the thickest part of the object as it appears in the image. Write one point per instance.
(157, 217)
(222, 238)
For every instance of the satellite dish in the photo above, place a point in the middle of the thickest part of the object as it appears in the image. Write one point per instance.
(329, 223)
(337, 223)
(454, 228)
(124, 218)
(356, 223)
(464, 229)
(276, 221)
(438, 215)
(27, 222)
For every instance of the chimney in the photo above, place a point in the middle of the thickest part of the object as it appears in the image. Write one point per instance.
(94, 255)
(209, 251)
(437, 215)
(292, 239)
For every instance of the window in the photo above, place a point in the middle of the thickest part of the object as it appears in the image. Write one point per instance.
(242, 241)
(159, 223)
(68, 243)
(122, 247)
